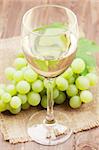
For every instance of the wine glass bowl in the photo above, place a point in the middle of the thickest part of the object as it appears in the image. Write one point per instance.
(49, 41)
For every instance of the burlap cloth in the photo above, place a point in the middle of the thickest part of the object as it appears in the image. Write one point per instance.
(13, 127)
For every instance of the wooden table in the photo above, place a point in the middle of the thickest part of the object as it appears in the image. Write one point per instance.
(87, 11)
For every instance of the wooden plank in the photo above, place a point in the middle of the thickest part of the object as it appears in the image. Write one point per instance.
(11, 13)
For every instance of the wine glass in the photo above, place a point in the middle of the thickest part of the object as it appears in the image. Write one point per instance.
(49, 41)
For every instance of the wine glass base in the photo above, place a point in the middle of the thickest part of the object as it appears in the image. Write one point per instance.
(48, 134)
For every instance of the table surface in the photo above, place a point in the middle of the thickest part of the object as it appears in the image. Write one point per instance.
(87, 11)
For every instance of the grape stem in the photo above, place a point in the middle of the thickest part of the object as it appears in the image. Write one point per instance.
(50, 113)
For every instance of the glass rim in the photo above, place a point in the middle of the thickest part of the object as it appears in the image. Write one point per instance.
(48, 5)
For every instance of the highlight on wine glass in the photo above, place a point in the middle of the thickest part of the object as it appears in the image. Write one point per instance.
(49, 42)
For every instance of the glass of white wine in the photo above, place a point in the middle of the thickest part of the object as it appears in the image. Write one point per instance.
(49, 41)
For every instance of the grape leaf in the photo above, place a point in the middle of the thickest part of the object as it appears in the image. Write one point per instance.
(85, 50)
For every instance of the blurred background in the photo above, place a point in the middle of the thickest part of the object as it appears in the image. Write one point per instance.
(11, 12)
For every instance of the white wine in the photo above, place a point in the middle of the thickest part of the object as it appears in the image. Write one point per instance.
(49, 40)
(50, 55)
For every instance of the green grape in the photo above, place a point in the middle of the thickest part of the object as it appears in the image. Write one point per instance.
(86, 96)
(71, 80)
(72, 90)
(15, 102)
(82, 83)
(78, 65)
(9, 72)
(18, 76)
(30, 75)
(68, 73)
(7, 106)
(23, 98)
(20, 63)
(37, 86)
(1, 92)
(23, 87)
(61, 98)
(43, 92)
(25, 106)
(41, 78)
(62, 84)
(3, 106)
(23, 69)
(91, 69)
(34, 98)
(6, 97)
(92, 78)
(15, 111)
(11, 89)
(14, 82)
(44, 101)
(47, 81)
(75, 102)
(2, 86)
(20, 55)
(55, 93)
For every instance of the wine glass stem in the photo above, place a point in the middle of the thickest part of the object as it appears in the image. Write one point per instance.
(50, 113)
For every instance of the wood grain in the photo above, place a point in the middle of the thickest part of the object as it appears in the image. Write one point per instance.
(87, 11)
(11, 12)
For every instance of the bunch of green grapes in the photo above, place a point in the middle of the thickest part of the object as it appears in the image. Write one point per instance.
(28, 88)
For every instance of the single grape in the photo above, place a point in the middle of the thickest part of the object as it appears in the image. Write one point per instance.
(20, 63)
(6, 97)
(61, 98)
(37, 86)
(23, 87)
(1, 92)
(55, 93)
(41, 78)
(9, 72)
(20, 55)
(7, 106)
(34, 98)
(15, 102)
(68, 73)
(43, 92)
(72, 90)
(15, 111)
(30, 75)
(62, 84)
(2, 86)
(18, 76)
(3, 106)
(44, 101)
(75, 102)
(47, 81)
(13, 82)
(91, 69)
(11, 89)
(23, 98)
(23, 69)
(71, 80)
(78, 65)
(25, 106)
(92, 78)
(85, 72)
(86, 96)
(82, 83)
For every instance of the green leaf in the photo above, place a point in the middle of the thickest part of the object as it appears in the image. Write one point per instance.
(85, 45)
(85, 50)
